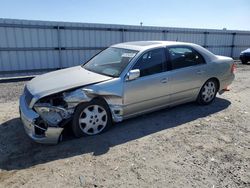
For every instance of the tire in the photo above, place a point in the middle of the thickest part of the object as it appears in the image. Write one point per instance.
(243, 62)
(208, 92)
(60, 139)
(91, 118)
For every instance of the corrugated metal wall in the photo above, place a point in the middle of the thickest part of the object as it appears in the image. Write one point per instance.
(27, 47)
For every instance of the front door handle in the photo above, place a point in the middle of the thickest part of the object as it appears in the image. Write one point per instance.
(164, 80)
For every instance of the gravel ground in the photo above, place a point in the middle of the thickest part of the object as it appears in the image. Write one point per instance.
(185, 146)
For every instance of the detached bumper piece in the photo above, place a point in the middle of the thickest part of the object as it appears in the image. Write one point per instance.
(224, 90)
(35, 127)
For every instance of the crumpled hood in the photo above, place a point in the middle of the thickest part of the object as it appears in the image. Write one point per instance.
(61, 80)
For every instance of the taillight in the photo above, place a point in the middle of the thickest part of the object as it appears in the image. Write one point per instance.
(233, 68)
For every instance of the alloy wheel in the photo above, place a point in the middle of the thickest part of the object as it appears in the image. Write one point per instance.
(209, 91)
(93, 119)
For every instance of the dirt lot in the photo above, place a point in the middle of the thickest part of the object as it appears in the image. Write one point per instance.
(186, 146)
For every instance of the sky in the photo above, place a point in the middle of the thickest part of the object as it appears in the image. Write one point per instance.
(211, 14)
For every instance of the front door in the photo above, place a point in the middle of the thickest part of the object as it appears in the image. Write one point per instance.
(149, 91)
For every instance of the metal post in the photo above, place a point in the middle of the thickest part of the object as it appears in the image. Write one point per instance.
(233, 45)
(59, 46)
(164, 34)
(205, 39)
(122, 34)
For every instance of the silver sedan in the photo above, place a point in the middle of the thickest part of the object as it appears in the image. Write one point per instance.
(123, 81)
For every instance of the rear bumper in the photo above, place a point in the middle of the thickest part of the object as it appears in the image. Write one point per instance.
(225, 83)
(28, 117)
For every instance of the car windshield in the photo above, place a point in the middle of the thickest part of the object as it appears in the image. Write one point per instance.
(110, 62)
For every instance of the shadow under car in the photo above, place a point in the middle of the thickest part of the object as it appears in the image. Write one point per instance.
(17, 151)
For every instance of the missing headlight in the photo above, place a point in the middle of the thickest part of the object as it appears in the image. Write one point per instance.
(51, 114)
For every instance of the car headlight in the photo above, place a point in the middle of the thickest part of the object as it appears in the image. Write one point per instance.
(53, 115)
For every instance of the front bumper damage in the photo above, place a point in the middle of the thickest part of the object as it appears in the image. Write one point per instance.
(29, 117)
(48, 131)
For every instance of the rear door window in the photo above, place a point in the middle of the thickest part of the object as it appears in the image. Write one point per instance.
(181, 57)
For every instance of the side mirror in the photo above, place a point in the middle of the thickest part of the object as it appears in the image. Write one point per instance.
(133, 74)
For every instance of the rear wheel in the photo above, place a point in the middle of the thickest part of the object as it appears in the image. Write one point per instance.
(208, 92)
(91, 118)
(244, 61)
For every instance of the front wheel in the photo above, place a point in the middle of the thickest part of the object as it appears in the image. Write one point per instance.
(208, 92)
(91, 118)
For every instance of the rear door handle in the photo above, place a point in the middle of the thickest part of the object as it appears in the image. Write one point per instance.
(200, 71)
(164, 80)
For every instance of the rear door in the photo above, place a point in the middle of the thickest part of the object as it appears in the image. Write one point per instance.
(187, 73)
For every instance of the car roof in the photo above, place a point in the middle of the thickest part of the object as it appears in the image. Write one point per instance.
(246, 51)
(145, 45)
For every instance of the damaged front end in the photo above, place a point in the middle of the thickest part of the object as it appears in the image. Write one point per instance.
(44, 119)
(37, 128)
